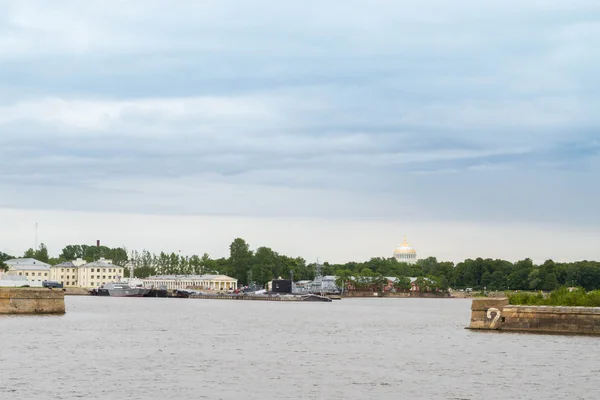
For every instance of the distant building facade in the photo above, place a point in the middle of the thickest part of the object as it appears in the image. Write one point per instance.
(405, 253)
(202, 282)
(79, 273)
(32, 269)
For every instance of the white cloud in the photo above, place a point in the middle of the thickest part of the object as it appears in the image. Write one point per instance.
(332, 240)
(107, 116)
(483, 111)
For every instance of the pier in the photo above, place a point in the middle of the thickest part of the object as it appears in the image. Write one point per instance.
(498, 315)
(32, 301)
(262, 297)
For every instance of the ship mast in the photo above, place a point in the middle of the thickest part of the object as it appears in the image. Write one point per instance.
(131, 267)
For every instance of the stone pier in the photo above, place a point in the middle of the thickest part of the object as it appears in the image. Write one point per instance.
(32, 301)
(497, 314)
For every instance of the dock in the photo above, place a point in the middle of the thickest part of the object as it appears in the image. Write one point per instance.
(262, 297)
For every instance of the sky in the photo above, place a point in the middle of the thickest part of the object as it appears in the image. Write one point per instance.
(326, 129)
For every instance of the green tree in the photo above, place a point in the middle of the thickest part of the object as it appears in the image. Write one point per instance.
(42, 253)
(422, 283)
(119, 256)
(240, 258)
(550, 282)
(71, 252)
(442, 283)
(497, 281)
(5, 257)
(343, 277)
(266, 265)
(402, 283)
(534, 279)
(29, 253)
(548, 276)
(207, 265)
(486, 279)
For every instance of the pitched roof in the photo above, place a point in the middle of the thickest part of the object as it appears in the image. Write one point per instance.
(67, 264)
(101, 264)
(27, 264)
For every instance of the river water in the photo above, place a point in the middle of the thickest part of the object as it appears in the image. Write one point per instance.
(143, 348)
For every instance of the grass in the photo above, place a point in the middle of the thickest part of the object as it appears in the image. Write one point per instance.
(560, 297)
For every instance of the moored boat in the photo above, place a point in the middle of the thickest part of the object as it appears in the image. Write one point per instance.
(120, 289)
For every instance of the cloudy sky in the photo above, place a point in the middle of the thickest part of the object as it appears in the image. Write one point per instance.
(323, 129)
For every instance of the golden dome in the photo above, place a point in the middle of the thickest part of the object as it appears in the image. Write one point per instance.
(405, 248)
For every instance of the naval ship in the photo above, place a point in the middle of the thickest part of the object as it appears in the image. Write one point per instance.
(120, 289)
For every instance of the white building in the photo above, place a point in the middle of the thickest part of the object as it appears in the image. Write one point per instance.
(206, 282)
(18, 281)
(78, 273)
(32, 269)
(405, 253)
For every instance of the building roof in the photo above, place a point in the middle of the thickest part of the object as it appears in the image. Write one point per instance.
(27, 264)
(66, 264)
(101, 264)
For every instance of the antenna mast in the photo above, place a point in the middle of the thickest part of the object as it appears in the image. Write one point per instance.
(318, 271)
(132, 266)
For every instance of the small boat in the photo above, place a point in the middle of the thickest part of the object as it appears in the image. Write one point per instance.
(120, 289)
(186, 293)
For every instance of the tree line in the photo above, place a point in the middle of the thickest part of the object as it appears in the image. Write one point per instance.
(264, 264)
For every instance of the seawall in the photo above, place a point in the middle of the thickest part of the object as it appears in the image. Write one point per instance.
(31, 301)
(363, 293)
(74, 291)
(497, 314)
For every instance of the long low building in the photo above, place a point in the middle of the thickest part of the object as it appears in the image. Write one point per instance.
(18, 281)
(206, 282)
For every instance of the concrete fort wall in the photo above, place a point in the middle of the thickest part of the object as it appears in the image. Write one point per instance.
(31, 301)
(497, 314)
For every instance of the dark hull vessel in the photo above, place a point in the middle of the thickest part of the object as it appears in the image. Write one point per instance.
(119, 290)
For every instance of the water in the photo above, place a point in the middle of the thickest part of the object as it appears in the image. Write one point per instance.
(132, 348)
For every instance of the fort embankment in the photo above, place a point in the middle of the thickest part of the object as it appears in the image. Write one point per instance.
(497, 314)
(363, 294)
(32, 301)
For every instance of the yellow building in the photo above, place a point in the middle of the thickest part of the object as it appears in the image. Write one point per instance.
(32, 269)
(78, 273)
(405, 253)
(206, 282)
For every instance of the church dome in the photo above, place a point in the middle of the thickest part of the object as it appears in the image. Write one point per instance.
(405, 252)
(405, 248)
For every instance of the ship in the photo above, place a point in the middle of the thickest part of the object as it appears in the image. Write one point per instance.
(120, 289)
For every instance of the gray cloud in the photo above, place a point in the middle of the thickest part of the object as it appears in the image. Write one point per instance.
(485, 111)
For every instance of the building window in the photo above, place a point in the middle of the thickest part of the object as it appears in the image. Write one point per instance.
(26, 273)
(45, 274)
(91, 283)
(20, 274)
(62, 270)
(104, 270)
